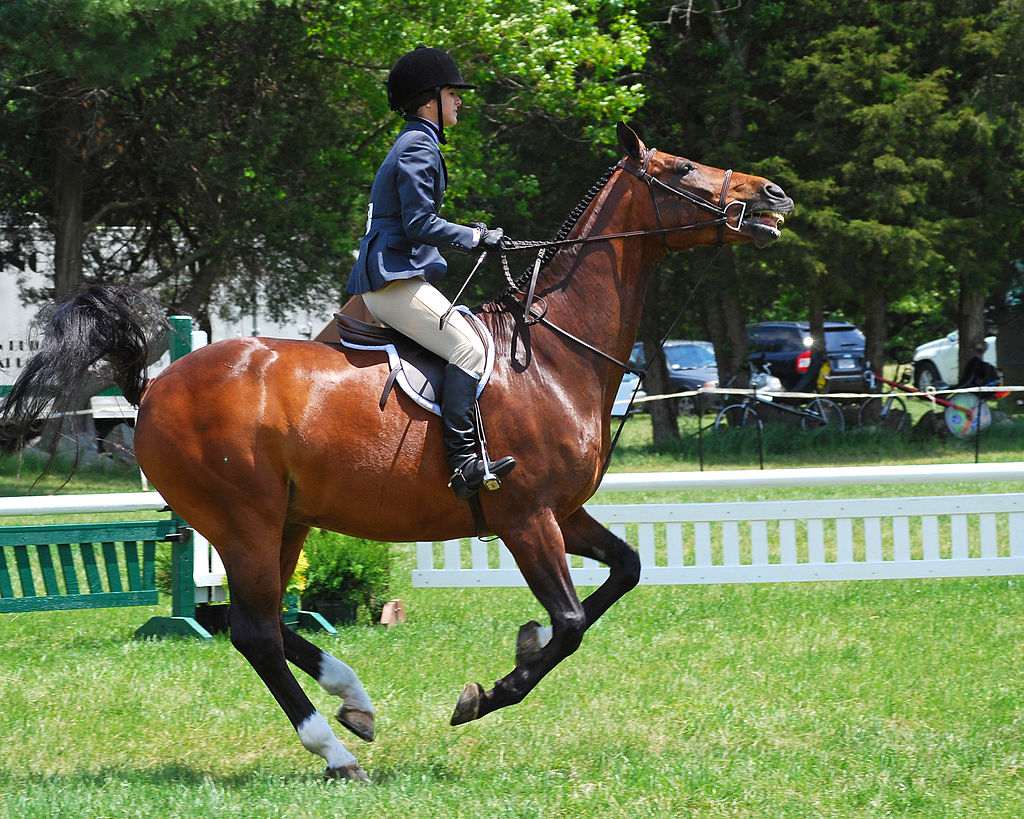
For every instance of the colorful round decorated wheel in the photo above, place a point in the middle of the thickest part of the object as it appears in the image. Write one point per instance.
(967, 416)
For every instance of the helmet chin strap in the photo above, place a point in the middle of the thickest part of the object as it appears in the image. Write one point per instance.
(440, 117)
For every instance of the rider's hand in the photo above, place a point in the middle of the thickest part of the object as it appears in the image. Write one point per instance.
(490, 238)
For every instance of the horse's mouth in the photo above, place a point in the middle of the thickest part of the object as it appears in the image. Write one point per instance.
(764, 226)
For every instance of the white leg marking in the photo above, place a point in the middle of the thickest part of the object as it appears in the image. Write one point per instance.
(318, 738)
(339, 679)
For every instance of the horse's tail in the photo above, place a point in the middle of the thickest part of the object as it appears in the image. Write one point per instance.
(102, 323)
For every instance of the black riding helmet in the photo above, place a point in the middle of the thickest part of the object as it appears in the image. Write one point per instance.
(423, 69)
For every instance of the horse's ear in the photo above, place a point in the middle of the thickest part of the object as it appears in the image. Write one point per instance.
(630, 141)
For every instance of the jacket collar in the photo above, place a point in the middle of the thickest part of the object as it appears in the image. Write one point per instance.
(427, 127)
(417, 124)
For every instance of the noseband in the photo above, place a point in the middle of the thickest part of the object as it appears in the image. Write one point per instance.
(721, 210)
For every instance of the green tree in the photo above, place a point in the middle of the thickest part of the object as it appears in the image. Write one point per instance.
(235, 146)
(67, 73)
(891, 124)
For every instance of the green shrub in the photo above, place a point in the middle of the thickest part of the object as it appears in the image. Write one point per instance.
(346, 570)
(163, 568)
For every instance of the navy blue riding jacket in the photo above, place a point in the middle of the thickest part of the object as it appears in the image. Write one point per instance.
(403, 230)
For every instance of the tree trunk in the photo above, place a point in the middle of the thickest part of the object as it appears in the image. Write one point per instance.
(726, 323)
(733, 314)
(196, 301)
(816, 320)
(664, 420)
(875, 327)
(68, 191)
(970, 321)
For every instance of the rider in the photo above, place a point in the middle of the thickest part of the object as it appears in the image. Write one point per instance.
(398, 257)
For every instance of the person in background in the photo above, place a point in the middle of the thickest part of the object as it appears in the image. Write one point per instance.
(977, 371)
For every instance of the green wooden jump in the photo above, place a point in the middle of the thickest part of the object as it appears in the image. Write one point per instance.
(80, 566)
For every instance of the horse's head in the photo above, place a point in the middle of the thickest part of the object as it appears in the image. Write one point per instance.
(735, 207)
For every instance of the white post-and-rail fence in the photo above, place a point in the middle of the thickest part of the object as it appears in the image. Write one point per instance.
(785, 540)
(685, 543)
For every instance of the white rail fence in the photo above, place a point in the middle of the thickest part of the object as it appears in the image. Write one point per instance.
(786, 540)
(683, 543)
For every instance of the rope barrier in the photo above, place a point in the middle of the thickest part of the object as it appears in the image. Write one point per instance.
(928, 395)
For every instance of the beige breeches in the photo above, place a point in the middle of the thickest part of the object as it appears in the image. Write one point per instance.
(414, 308)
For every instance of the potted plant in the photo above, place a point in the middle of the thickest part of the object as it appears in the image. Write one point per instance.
(343, 575)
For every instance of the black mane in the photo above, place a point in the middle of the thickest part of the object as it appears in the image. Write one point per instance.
(563, 233)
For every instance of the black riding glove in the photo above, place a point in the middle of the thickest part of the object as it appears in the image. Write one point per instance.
(490, 238)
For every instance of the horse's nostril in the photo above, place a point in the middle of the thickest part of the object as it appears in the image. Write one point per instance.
(774, 191)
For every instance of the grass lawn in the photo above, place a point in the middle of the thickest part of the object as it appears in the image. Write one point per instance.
(821, 699)
(845, 699)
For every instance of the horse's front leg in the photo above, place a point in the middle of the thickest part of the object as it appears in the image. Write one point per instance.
(539, 551)
(586, 537)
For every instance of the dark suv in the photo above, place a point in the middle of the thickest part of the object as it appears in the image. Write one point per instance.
(689, 364)
(786, 346)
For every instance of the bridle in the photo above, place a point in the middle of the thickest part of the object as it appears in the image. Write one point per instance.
(720, 211)
(721, 220)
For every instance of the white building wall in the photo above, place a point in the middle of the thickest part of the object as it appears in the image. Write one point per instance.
(18, 342)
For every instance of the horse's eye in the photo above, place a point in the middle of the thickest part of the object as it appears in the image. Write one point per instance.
(684, 169)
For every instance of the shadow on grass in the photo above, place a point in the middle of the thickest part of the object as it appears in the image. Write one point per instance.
(172, 774)
(167, 774)
(425, 772)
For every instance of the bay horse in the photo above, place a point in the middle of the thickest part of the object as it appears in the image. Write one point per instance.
(255, 440)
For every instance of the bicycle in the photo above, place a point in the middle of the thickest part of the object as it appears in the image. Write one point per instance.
(819, 413)
(887, 410)
(965, 413)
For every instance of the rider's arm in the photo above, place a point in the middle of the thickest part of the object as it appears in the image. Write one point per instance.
(419, 166)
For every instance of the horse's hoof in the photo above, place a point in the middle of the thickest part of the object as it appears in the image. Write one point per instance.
(351, 772)
(467, 708)
(358, 722)
(528, 643)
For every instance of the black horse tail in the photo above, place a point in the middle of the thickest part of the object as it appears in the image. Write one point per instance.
(89, 339)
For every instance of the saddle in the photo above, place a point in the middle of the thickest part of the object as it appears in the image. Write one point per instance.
(416, 370)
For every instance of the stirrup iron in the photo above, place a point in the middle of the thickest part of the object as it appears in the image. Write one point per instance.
(491, 482)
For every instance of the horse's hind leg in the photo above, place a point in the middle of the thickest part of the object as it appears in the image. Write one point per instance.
(540, 554)
(585, 536)
(254, 577)
(335, 677)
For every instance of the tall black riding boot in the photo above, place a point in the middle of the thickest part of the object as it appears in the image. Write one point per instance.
(458, 412)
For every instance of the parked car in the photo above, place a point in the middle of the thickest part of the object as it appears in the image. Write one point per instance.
(690, 365)
(786, 347)
(937, 363)
(625, 395)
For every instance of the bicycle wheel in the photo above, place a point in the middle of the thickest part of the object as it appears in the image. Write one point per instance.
(823, 412)
(884, 412)
(735, 416)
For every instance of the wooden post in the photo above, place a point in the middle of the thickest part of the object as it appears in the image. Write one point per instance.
(182, 622)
